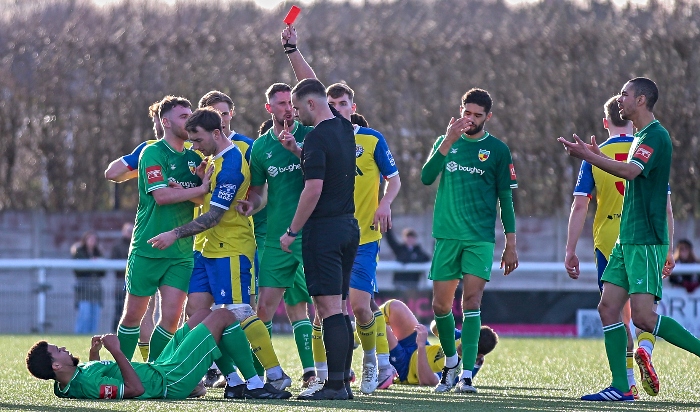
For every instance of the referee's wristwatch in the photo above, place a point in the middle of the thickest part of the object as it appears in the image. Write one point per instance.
(290, 233)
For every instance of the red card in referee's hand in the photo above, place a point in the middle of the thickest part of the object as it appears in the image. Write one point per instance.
(292, 15)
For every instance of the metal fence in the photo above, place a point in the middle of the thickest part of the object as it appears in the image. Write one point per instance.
(37, 295)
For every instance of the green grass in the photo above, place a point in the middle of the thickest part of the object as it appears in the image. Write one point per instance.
(521, 374)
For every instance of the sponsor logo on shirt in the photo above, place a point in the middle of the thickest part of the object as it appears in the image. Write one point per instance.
(484, 154)
(643, 153)
(185, 185)
(108, 392)
(274, 170)
(359, 150)
(154, 174)
(227, 191)
(512, 172)
(192, 166)
(391, 158)
(454, 166)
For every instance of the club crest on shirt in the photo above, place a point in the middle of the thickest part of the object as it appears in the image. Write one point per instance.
(484, 154)
(359, 150)
(192, 166)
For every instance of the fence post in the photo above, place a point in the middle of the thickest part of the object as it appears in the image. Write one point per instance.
(42, 287)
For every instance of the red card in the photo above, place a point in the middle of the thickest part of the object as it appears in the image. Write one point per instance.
(292, 15)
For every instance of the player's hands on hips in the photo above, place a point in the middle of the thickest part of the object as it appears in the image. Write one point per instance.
(245, 207)
(572, 266)
(421, 334)
(382, 218)
(669, 265)
(164, 240)
(289, 35)
(111, 342)
(285, 242)
(509, 259)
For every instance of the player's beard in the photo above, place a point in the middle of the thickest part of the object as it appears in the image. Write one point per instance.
(476, 129)
(76, 361)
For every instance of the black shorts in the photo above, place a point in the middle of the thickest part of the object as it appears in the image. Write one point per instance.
(328, 248)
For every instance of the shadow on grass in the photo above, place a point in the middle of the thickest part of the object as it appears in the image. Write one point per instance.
(43, 408)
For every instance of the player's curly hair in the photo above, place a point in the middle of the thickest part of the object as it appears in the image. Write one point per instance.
(170, 102)
(479, 97)
(153, 109)
(39, 361)
(487, 340)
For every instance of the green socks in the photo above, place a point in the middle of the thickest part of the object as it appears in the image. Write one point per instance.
(615, 349)
(302, 336)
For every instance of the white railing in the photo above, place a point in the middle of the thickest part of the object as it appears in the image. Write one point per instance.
(41, 265)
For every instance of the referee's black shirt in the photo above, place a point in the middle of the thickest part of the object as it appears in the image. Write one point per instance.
(329, 154)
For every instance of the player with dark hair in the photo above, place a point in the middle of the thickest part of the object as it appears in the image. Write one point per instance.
(641, 256)
(477, 176)
(173, 375)
(276, 174)
(609, 191)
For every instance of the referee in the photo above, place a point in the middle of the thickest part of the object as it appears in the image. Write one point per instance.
(331, 233)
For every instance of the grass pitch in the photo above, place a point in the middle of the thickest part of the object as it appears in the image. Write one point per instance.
(521, 374)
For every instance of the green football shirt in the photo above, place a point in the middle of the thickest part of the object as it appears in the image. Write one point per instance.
(643, 219)
(270, 162)
(159, 164)
(103, 380)
(473, 172)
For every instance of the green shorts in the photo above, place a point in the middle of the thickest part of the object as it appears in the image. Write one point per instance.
(279, 269)
(145, 275)
(637, 268)
(186, 358)
(455, 258)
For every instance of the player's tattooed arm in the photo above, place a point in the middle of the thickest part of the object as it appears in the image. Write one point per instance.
(206, 221)
(199, 225)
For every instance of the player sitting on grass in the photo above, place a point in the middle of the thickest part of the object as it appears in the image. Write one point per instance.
(417, 362)
(173, 375)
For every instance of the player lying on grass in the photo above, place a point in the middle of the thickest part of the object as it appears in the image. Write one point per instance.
(178, 369)
(417, 362)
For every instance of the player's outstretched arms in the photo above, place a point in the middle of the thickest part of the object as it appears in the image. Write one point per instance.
(133, 387)
(591, 153)
(302, 69)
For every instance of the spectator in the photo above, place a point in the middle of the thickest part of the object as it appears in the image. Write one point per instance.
(120, 250)
(407, 252)
(684, 254)
(88, 285)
